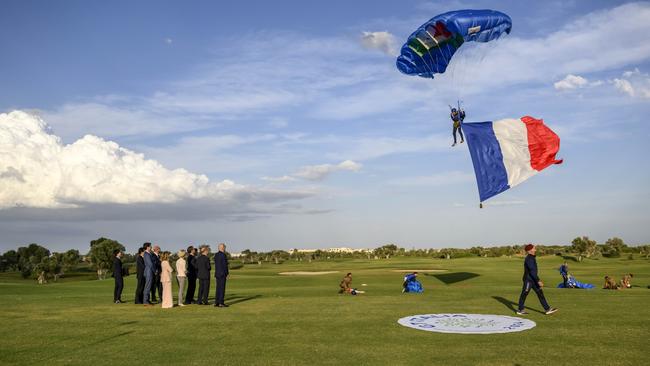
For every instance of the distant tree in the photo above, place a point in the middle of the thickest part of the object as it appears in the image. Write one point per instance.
(614, 247)
(583, 246)
(645, 251)
(9, 261)
(29, 257)
(101, 255)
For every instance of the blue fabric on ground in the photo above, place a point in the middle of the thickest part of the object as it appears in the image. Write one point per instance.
(414, 286)
(572, 283)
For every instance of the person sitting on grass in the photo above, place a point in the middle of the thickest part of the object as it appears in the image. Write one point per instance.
(346, 286)
(626, 281)
(610, 284)
(411, 284)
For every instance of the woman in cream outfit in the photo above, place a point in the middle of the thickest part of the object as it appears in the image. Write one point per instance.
(166, 279)
(181, 275)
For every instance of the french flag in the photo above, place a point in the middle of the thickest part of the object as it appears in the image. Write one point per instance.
(509, 151)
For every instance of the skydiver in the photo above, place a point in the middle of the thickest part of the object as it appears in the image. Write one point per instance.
(457, 119)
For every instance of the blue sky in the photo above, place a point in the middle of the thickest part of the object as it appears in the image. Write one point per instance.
(284, 126)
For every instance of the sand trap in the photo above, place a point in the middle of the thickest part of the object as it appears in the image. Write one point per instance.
(299, 273)
(418, 270)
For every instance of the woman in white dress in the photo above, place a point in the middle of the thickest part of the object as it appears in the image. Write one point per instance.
(166, 279)
(181, 275)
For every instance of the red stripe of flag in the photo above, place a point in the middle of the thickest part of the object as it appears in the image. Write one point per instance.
(543, 143)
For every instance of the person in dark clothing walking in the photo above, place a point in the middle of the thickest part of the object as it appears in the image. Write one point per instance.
(148, 274)
(117, 273)
(220, 275)
(139, 265)
(203, 273)
(191, 275)
(532, 281)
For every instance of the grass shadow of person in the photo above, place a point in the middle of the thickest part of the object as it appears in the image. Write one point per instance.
(513, 305)
(451, 278)
(237, 299)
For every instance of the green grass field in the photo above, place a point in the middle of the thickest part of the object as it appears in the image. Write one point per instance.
(301, 320)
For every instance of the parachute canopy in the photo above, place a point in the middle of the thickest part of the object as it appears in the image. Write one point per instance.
(430, 48)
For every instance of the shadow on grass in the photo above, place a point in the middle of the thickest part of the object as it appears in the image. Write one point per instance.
(513, 305)
(237, 299)
(451, 278)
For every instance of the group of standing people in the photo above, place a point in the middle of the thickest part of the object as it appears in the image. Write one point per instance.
(154, 274)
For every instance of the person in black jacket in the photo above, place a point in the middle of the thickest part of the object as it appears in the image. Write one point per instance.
(191, 275)
(117, 273)
(532, 281)
(139, 265)
(220, 275)
(203, 273)
(157, 269)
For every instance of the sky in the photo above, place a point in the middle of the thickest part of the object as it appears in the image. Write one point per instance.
(285, 124)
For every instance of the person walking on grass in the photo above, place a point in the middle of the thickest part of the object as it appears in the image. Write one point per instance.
(181, 275)
(166, 281)
(532, 281)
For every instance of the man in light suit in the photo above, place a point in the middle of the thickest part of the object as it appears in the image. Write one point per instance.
(203, 274)
(220, 274)
(117, 273)
(148, 274)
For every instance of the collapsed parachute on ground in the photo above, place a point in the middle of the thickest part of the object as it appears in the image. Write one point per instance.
(509, 151)
(430, 48)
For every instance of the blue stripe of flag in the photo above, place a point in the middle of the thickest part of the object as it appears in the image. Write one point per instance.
(491, 174)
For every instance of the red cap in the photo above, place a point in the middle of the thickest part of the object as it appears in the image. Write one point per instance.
(528, 247)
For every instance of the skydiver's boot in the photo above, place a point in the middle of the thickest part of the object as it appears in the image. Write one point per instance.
(454, 144)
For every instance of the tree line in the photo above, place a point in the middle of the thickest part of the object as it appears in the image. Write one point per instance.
(37, 262)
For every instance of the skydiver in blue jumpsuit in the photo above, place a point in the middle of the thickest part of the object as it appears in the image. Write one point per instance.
(457, 118)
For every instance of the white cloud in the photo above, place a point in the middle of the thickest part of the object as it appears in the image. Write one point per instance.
(383, 41)
(38, 170)
(634, 83)
(571, 82)
(282, 179)
(624, 86)
(320, 172)
(169, 40)
(278, 122)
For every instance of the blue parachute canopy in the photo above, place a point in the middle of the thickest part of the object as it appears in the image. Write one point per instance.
(430, 48)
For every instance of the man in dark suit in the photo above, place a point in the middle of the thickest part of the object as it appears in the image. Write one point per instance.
(220, 274)
(203, 273)
(148, 274)
(191, 275)
(117, 273)
(157, 269)
(139, 265)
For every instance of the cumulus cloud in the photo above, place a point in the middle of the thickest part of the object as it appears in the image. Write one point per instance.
(282, 179)
(38, 170)
(571, 82)
(382, 41)
(320, 172)
(634, 83)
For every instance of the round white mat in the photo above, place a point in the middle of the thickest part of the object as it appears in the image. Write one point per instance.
(467, 323)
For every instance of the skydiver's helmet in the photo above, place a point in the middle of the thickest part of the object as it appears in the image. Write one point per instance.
(454, 111)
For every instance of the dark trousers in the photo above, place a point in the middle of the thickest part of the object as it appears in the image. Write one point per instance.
(528, 285)
(221, 290)
(460, 131)
(191, 288)
(139, 291)
(156, 286)
(204, 289)
(564, 280)
(146, 294)
(119, 285)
